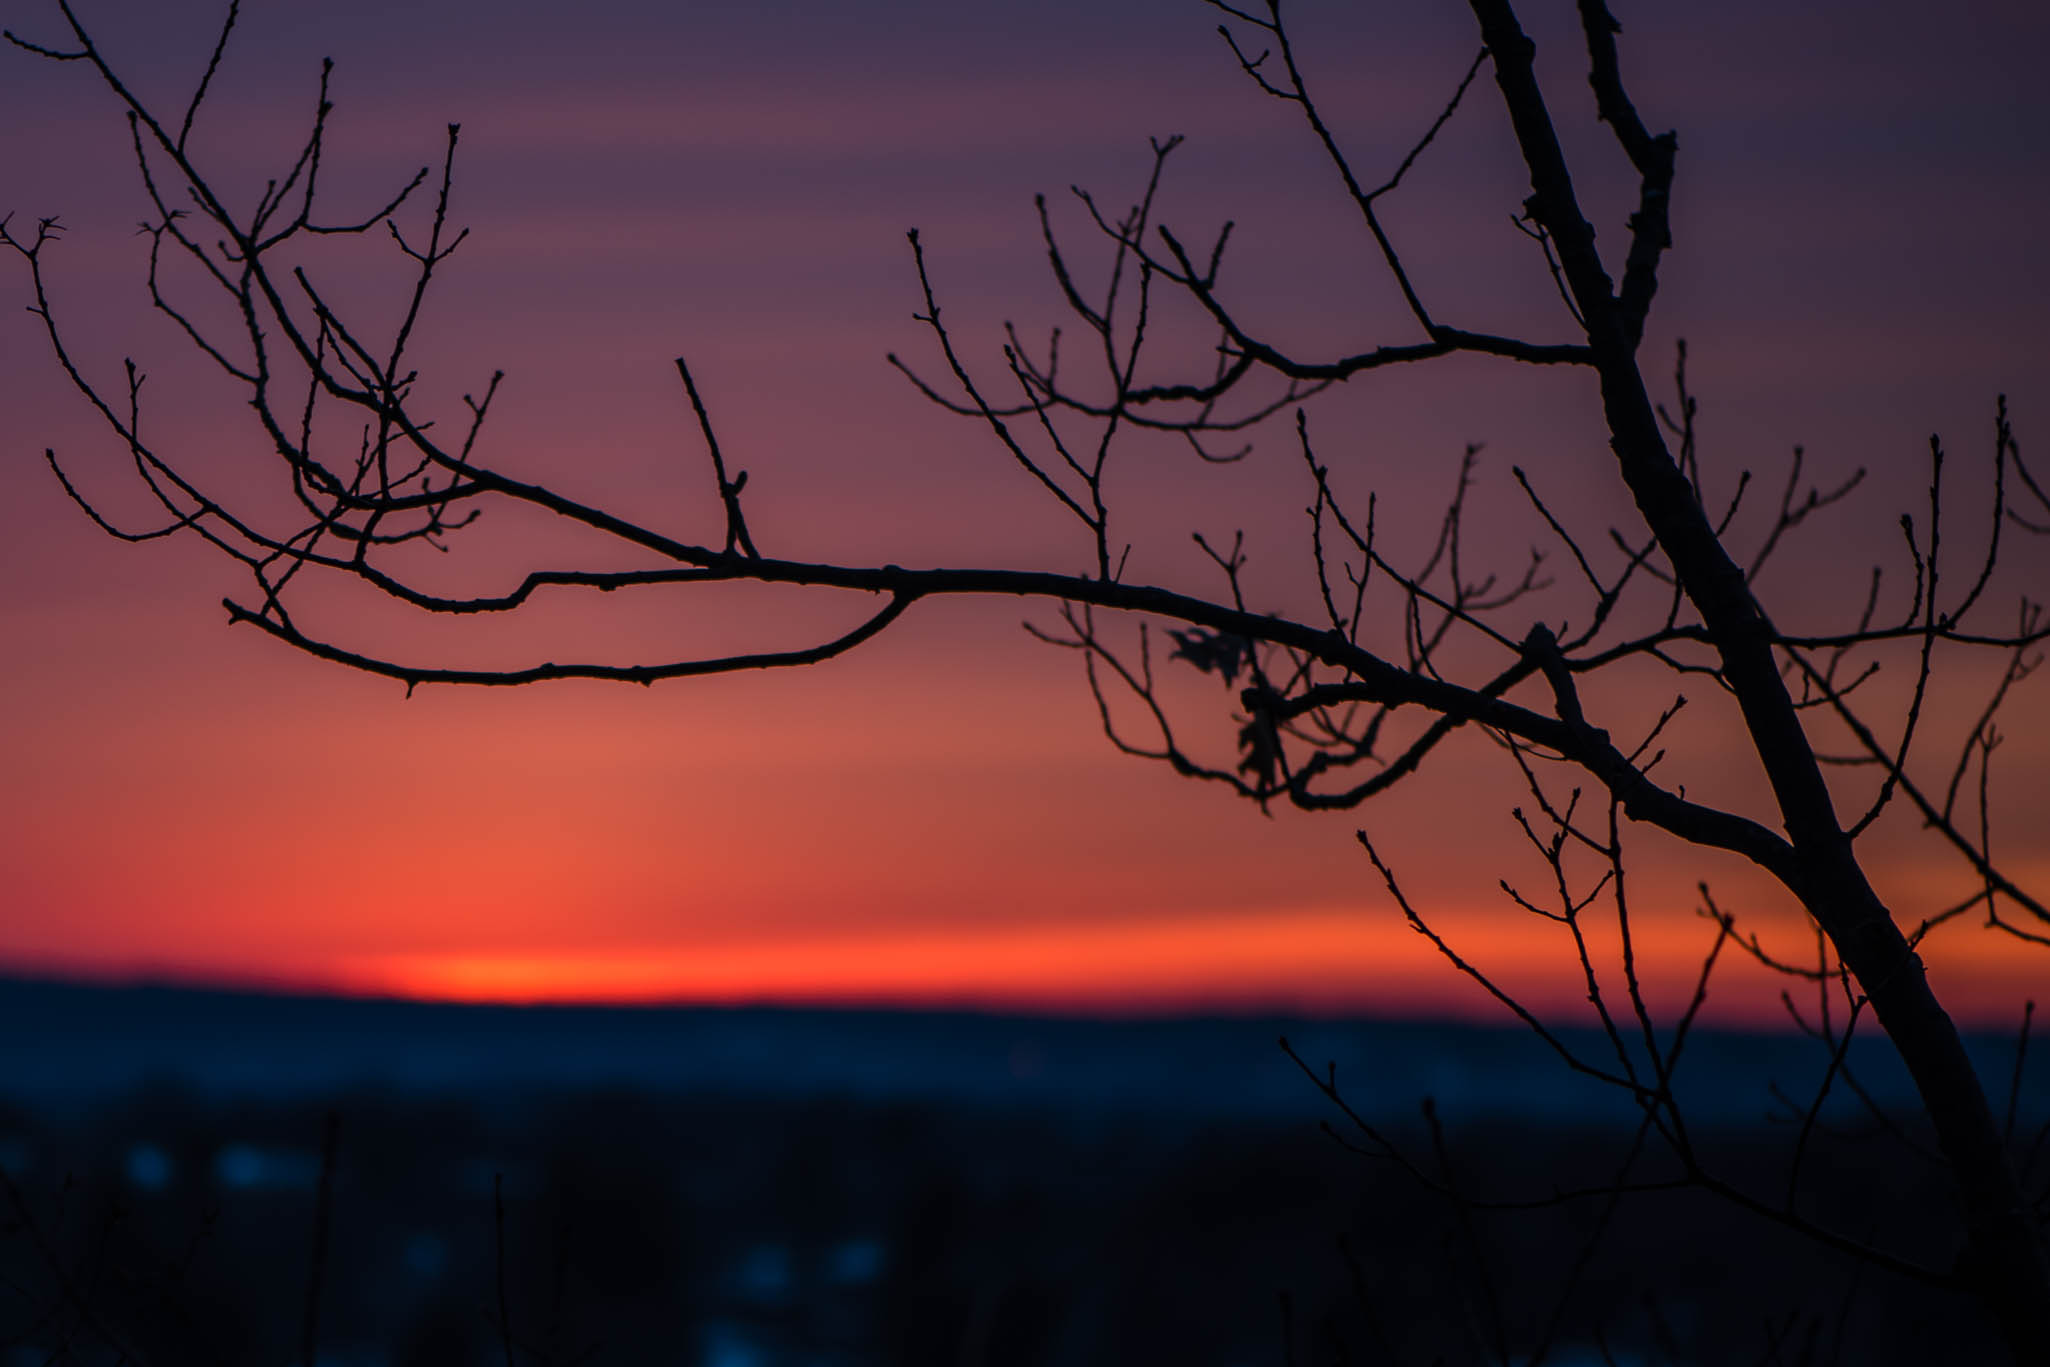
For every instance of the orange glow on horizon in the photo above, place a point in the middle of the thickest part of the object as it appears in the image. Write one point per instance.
(1339, 961)
(1312, 956)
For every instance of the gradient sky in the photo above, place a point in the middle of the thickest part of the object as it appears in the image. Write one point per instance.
(938, 817)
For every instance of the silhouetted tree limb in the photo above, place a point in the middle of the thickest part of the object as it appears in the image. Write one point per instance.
(1329, 713)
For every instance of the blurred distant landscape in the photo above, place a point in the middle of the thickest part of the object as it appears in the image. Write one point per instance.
(756, 1187)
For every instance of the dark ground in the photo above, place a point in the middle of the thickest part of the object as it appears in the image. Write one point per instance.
(757, 1188)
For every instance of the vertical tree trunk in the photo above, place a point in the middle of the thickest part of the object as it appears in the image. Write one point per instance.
(2005, 1262)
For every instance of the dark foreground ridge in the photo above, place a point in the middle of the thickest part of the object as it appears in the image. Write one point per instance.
(760, 1187)
(66, 1042)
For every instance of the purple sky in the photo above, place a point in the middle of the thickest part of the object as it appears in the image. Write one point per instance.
(1856, 265)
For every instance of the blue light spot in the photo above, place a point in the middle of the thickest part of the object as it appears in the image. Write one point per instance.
(765, 1273)
(727, 1345)
(149, 1167)
(426, 1255)
(245, 1166)
(856, 1262)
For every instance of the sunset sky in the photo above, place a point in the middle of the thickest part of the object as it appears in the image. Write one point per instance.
(938, 818)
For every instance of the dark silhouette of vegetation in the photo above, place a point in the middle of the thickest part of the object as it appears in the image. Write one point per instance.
(572, 1223)
(1334, 705)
